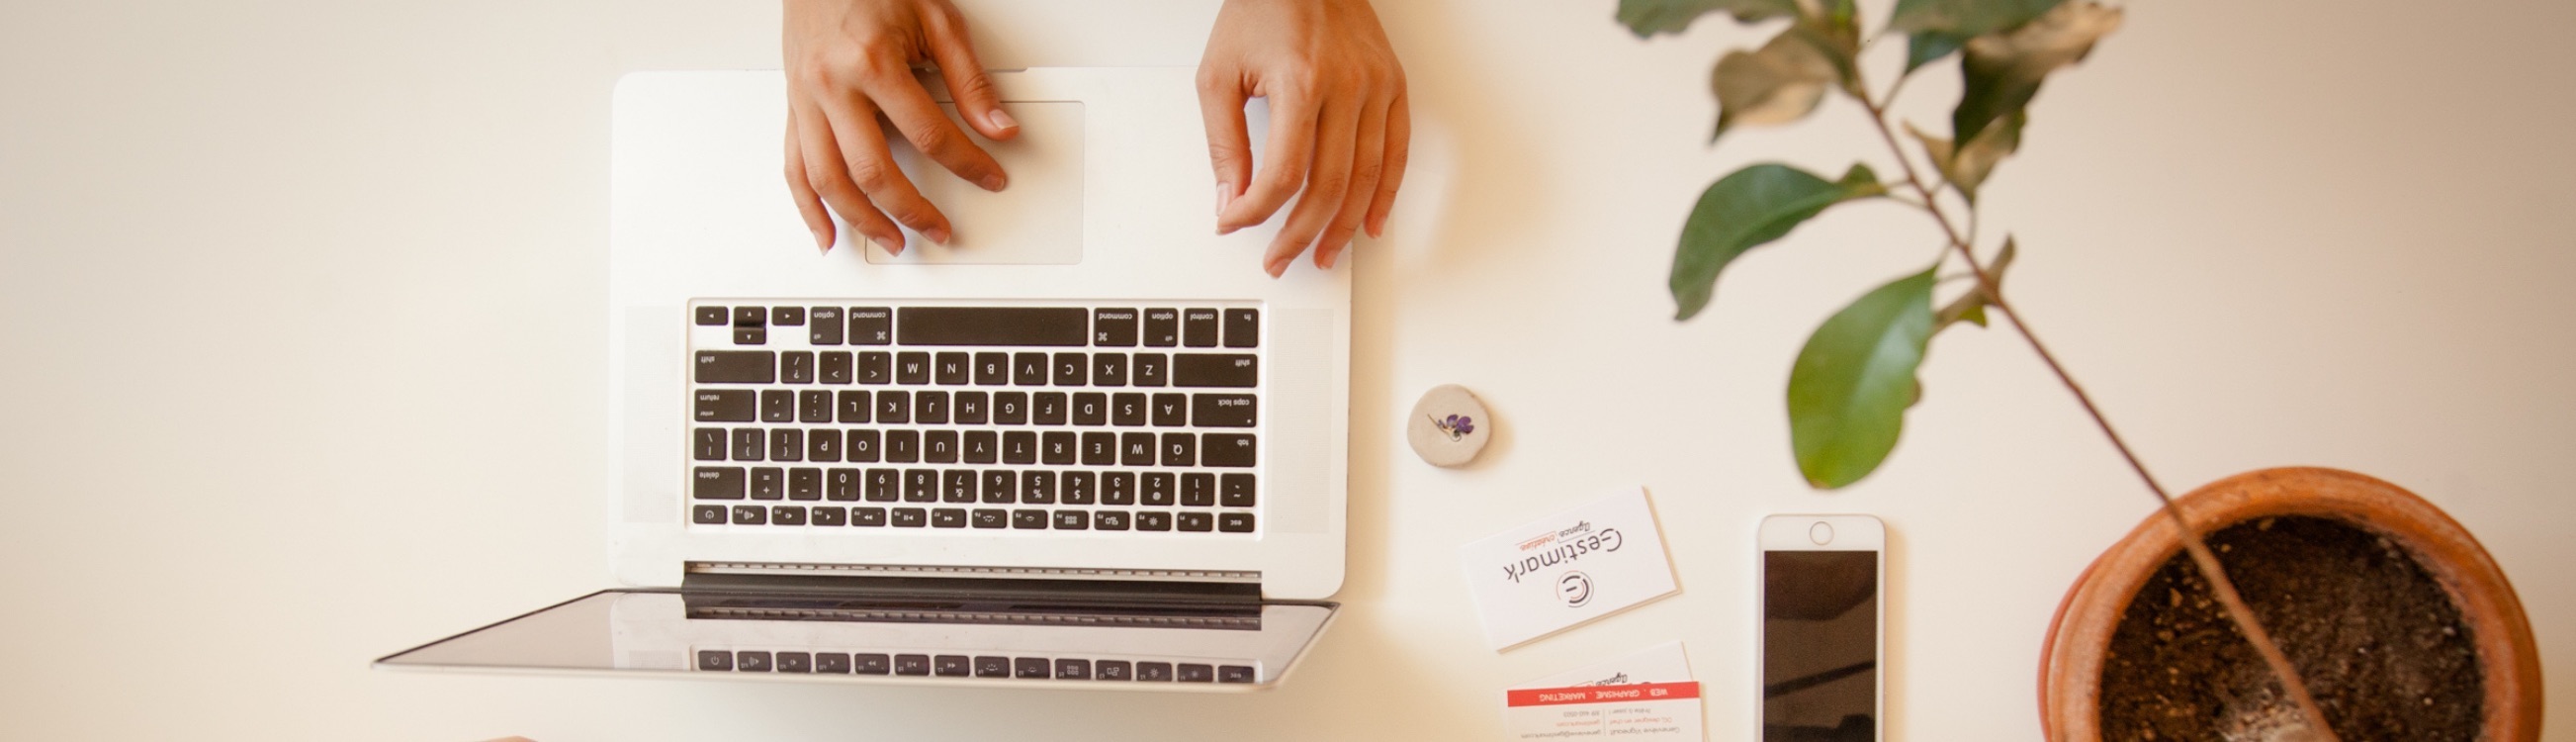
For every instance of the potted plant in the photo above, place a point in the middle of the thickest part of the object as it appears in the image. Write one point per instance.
(1852, 382)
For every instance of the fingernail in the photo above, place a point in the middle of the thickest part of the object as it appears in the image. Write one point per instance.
(823, 243)
(993, 182)
(1002, 120)
(1328, 259)
(1224, 196)
(1279, 266)
(937, 234)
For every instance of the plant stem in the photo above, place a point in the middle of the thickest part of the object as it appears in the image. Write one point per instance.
(2237, 611)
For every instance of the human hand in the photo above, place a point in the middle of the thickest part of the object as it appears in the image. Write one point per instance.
(1338, 125)
(849, 61)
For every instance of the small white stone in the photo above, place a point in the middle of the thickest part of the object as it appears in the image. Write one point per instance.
(1435, 439)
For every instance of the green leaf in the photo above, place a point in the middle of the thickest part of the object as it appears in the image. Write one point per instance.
(1926, 47)
(1780, 83)
(1968, 168)
(1649, 17)
(1855, 378)
(1745, 209)
(2003, 70)
(1963, 18)
(1971, 306)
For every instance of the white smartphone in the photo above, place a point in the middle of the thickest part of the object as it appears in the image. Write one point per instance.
(1823, 613)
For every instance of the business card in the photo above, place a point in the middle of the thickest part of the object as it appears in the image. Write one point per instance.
(1649, 695)
(1568, 568)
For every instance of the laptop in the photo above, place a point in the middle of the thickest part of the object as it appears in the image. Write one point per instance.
(1087, 444)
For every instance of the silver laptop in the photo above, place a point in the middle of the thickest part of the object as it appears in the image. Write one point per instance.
(1087, 444)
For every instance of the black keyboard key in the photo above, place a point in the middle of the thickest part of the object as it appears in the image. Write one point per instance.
(1099, 449)
(787, 444)
(747, 661)
(1158, 488)
(992, 667)
(828, 515)
(953, 369)
(957, 485)
(1058, 448)
(715, 660)
(912, 664)
(1153, 520)
(737, 367)
(884, 485)
(1154, 672)
(1216, 369)
(777, 406)
(709, 444)
(1029, 369)
(992, 369)
(876, 367)
(713, 316)
(1233, 674)
(1109, 520)
(1030, 326)
(805, 483)
(1090, 408)
(768, 483)
(1210, 410)
(835, 663)
(1151, 369)
(903, 446)
(1199, 328)
(930, 408)
(871, 326)
(920, 485)
(1196, 521)
(750, 515)
(1038, 487)
(1113, 670)
(750, 316)
(792, 316)
(787, 515)
(827, 327)
(981, 447)
(1226, 449)
(948, 518)
(1072, 520)
(1180, 449)
(1078, 486)
(1108, 369)
(1028, 519)
(952, 666)
(991, 518)
(1171, 410)
(1010, 408)
(1162, 327)
(1070, 669)
(1019, 447)
(893, 407)
(870, 664)
(1235, 490)
(1234, 522)
(823, 445)
(836, 367)
(1116, 488)
(1032, 667)
(717, 483)
(814, 406)
(841, 484)
(1047, 408)
(1190, 673)
(971, 408)
(1198, 489)
(1127, 408)
(797, 367)
(868, 517)
(1242, 328)
(854, 407)
(727, 405)
(707, 515)
(1136, 449)
(1071, 369)
(1001, 487)
(751, 336)
(912, 368)
(860, 447)
(749, 444)
(1113, 328)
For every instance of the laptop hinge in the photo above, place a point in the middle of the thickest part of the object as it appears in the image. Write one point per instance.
(974, 586)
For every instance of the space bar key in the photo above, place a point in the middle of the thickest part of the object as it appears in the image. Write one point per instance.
(1055, 326)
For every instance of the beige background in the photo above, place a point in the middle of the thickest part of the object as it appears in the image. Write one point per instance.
(301, 327)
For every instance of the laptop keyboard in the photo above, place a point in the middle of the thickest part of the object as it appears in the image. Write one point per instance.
(994, 418)
(969, 666)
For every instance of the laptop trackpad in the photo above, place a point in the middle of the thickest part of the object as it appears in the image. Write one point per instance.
(1037, 220)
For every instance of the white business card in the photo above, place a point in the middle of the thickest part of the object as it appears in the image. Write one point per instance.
(1649, 695)
(1568, 568)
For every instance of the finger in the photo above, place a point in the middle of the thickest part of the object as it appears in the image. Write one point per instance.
(1399, 148)
(1229, 148)
(872, 168)
(973, 91)
(808, 204)
(1328, 182)
(1286, 158)
(929, 130)
(829, 176)
(1368, 155)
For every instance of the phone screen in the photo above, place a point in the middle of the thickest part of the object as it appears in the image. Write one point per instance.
(1819, 646)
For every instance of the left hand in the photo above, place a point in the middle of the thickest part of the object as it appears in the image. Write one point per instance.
(1339, 130)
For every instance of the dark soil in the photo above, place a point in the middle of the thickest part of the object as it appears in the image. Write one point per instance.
(2378, 641)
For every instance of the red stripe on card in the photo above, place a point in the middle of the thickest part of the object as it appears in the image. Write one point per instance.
(1602, 694)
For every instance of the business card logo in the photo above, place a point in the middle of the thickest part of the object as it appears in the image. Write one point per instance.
(1575, 588)
(1564, 547)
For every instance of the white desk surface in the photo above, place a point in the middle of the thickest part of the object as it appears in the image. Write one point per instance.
(302, 303)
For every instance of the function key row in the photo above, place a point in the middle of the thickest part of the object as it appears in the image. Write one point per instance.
(963, 666)
(1236, 370)
(1192, 521)
(930, 407)
(988, 486)
(1196, 327)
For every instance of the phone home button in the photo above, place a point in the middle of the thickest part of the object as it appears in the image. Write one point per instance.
(1822, 533)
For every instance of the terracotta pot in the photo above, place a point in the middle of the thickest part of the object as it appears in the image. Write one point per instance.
(2070, 664)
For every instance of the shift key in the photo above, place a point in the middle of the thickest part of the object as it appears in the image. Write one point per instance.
(739, 366)
(1216, 369)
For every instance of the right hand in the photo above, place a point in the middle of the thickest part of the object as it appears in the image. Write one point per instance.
(849, 61)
